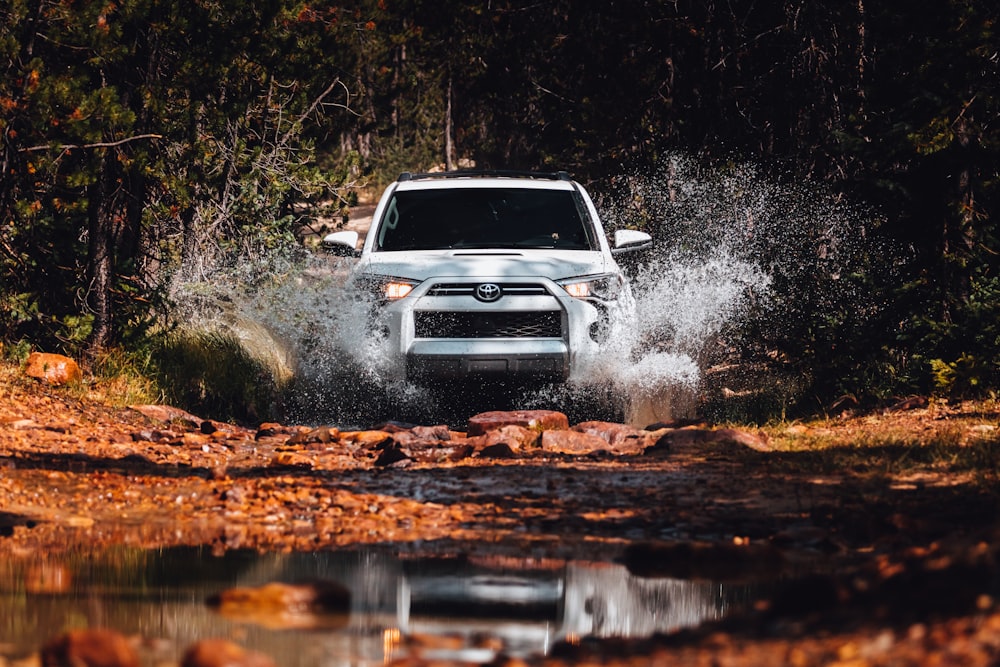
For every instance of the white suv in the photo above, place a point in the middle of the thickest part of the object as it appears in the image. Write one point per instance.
(493, 273)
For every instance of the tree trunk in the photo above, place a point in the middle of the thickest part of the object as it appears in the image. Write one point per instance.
(449, 144)
(99, 268)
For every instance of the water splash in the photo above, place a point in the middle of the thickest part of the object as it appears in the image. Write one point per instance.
(737, 250)
(749, 266)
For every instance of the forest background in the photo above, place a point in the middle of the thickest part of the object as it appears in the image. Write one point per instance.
(137, 136)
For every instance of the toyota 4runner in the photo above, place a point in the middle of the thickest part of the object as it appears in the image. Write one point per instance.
(493, 273)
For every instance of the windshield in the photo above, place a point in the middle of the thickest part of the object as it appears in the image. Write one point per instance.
(485, 218)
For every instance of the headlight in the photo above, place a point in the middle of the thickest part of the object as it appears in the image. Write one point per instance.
(390, 288)
(605, 287)
(396, 289)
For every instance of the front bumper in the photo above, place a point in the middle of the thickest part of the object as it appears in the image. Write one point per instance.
(458, 359)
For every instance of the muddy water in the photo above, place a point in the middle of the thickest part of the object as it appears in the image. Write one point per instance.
(432, 608)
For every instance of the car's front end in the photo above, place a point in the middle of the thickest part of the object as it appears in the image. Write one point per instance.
(494, 277)
(456, 314)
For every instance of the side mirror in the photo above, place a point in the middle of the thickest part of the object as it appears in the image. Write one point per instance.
(342, 244)
(631, 240)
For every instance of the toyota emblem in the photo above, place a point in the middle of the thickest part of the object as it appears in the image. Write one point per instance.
(488, 292)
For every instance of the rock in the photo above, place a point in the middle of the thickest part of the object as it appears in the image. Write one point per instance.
(422, 434)
(537, 420)
(212, 427)
(154, 435)
(291, 460)
(505, 441)
(89, 648)
(52, 368)
(223, 653)
(622, 438)
(573, 442)
(439, 432)
(168, 414)
(695, 440)
(911, 403)
(440, 453)
(422, 451)
(366, 439)
(393, 426)
(323, 435)
(320, 596)
(269, 430)
(391, 455)
(500, 450)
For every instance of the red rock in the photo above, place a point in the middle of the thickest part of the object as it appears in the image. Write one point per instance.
(223, 653)
(537, 420)
(53, 368)
(426, 435)
(622, 438)
(89, 648)
(505, 441)
(573, 442)
(440, 432)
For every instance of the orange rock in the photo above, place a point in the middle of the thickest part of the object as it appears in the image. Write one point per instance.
(53, 368)
(366, 438)
(89, 648)
(538, 420)
(505, 441)
(323, 435)
(167, 414)
(293, 459)
(323, 595)
(223, 653)
(573, 442)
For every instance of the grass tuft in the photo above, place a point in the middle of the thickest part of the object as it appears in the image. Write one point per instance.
(214, 374)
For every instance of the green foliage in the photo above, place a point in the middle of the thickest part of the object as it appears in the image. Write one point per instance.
(138, 135)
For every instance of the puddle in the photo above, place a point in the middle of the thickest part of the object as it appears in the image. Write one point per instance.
(464, 609)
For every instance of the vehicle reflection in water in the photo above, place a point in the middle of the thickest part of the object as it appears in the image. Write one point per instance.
(465, 609)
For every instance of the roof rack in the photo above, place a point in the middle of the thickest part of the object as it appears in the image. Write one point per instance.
(507, 173)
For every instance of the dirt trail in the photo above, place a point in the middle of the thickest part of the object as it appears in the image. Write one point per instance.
(900, 547)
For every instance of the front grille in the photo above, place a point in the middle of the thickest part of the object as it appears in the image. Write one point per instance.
(532, 324)
(468, 289)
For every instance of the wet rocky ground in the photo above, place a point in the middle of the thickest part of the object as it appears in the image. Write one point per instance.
(883, 523)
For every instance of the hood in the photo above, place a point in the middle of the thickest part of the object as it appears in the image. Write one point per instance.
(479, 264)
